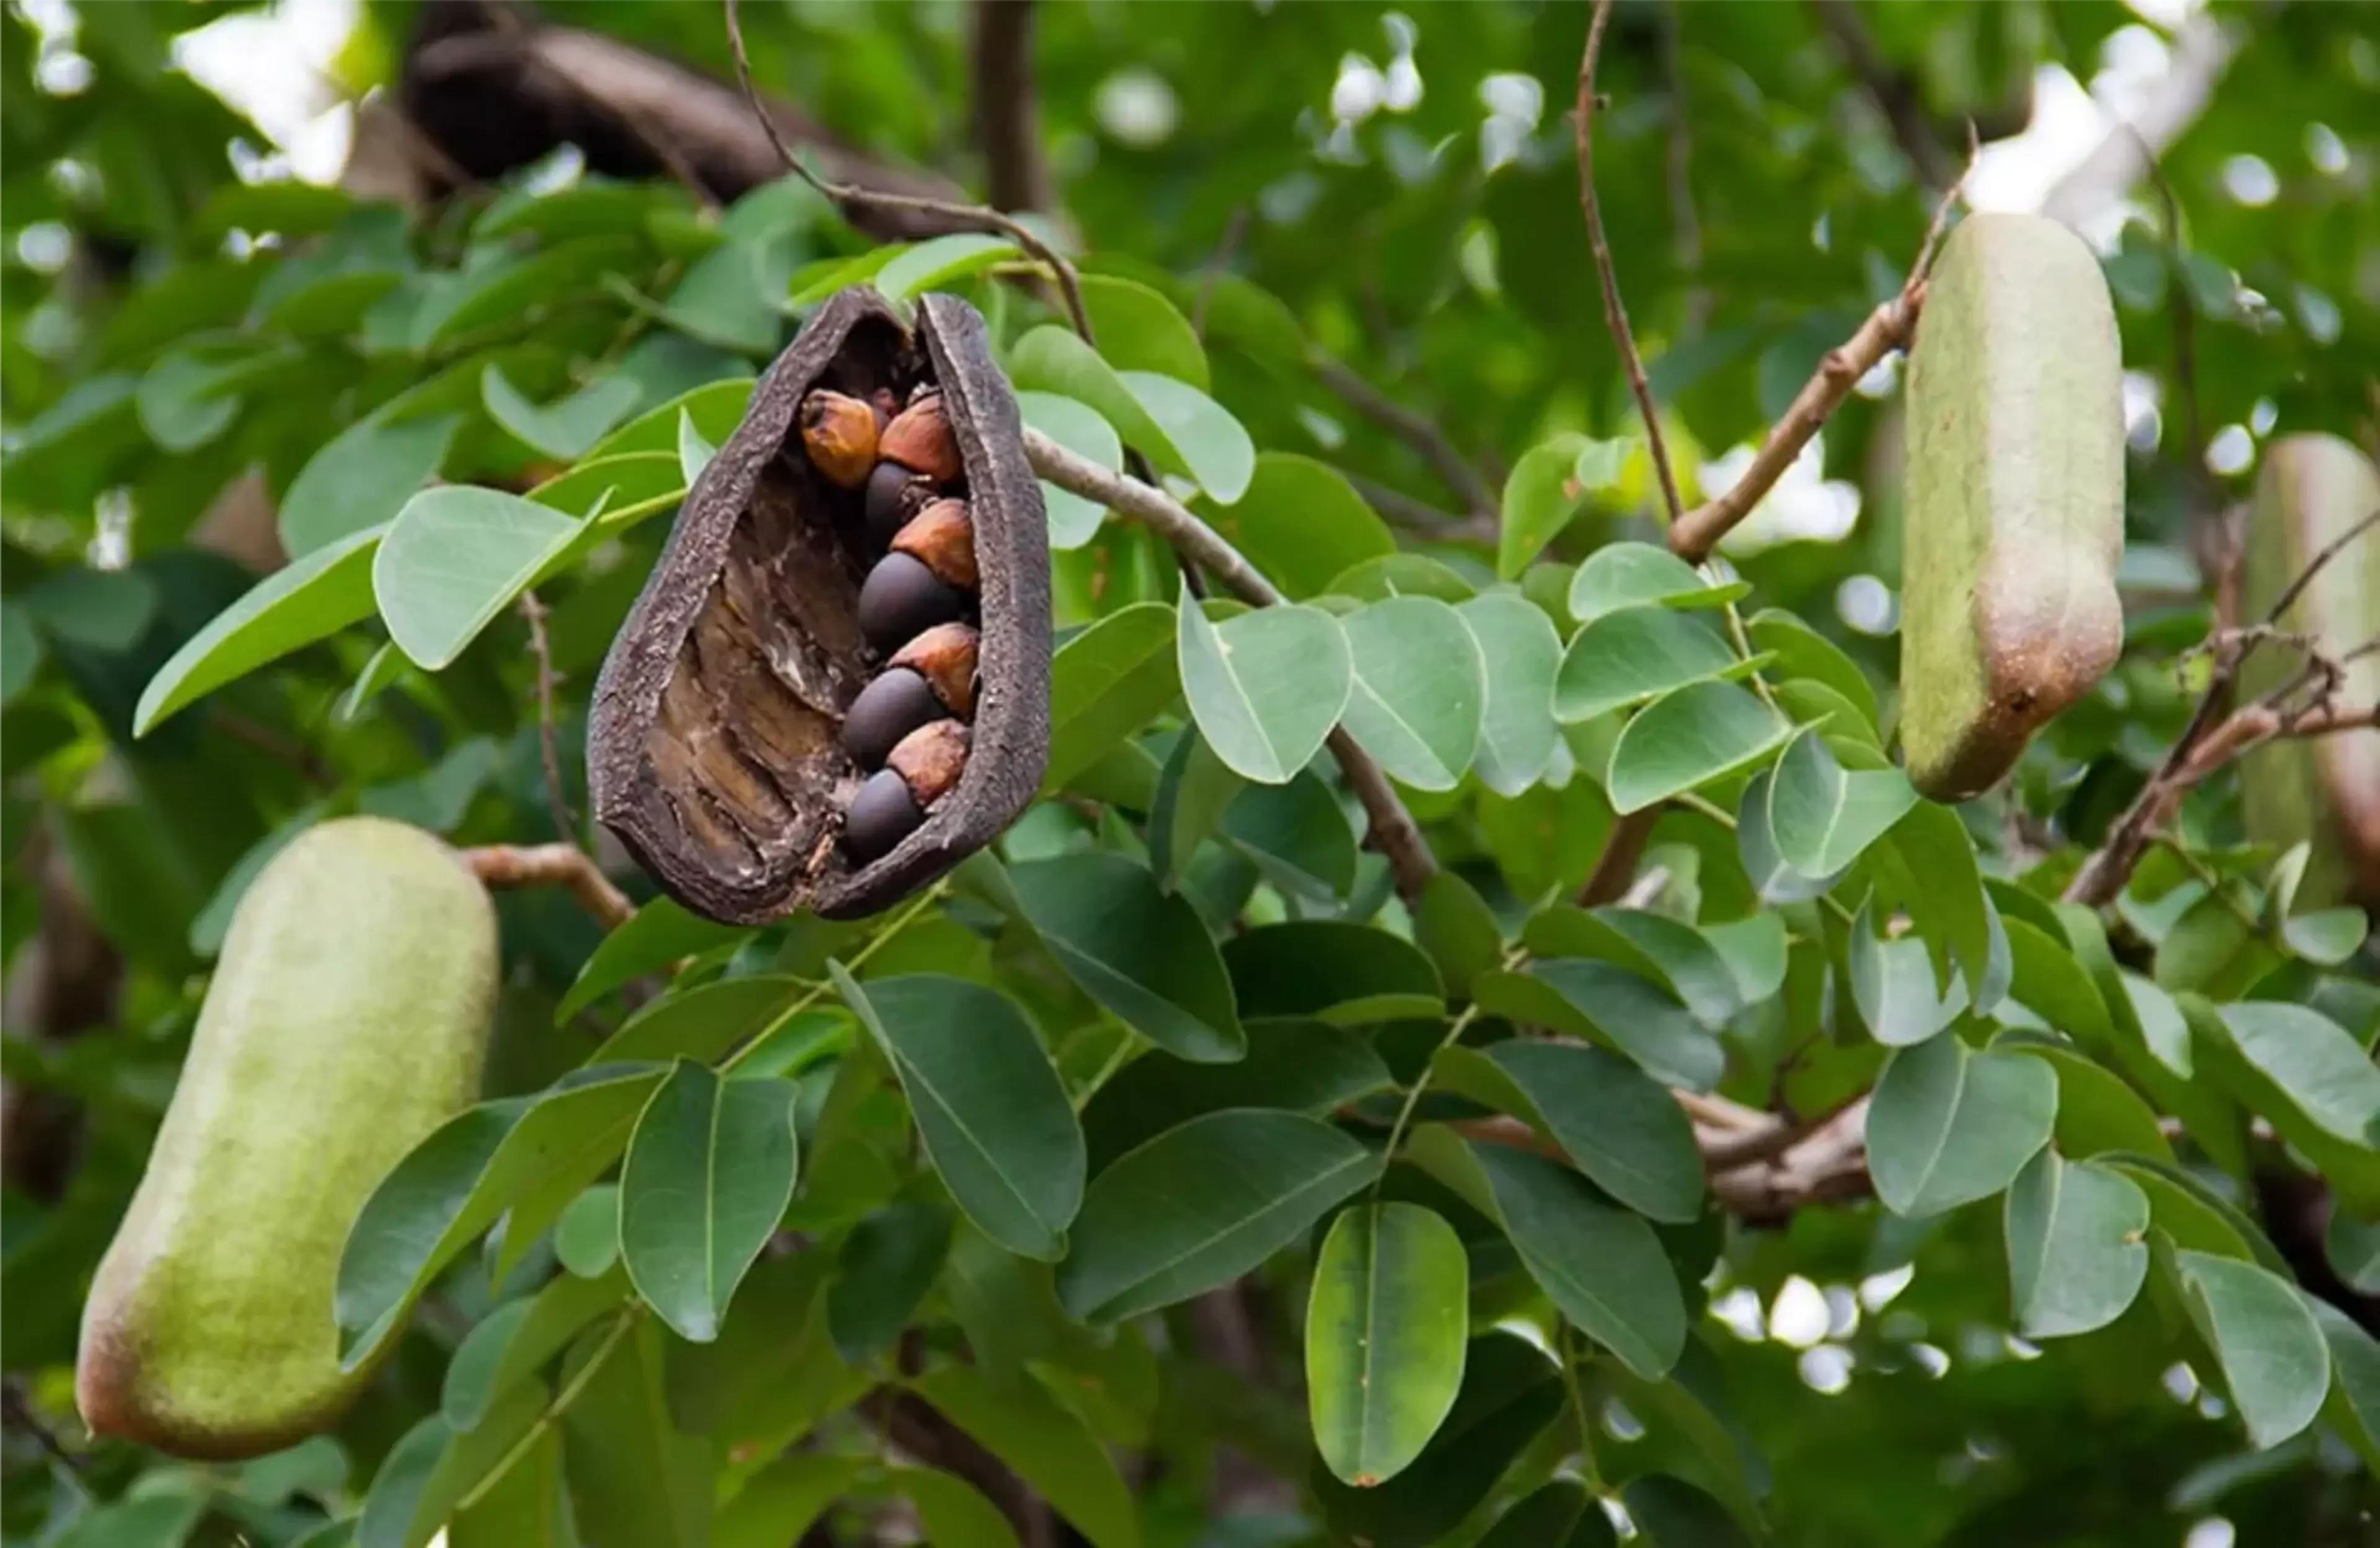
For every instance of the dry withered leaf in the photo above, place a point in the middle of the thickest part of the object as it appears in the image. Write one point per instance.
(713, 745)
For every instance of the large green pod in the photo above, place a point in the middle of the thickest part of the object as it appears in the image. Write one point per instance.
(2014, 519)
(348, 1017)
(2311, 492)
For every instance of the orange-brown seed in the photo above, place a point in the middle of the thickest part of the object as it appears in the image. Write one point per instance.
(840, 433)
(942, 536)
(919, 439)
(930, 759)
(944, 657)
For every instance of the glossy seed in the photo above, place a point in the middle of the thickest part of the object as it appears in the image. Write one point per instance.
(879, 816)
(943, 536)
(919, 439)
(901, 599)
(944, 656)
(894, 494)
(840, 434)
(885, 711)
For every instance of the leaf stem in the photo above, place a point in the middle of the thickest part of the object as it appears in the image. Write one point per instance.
(820, 990)
(1454, 1031)
(628, 1319)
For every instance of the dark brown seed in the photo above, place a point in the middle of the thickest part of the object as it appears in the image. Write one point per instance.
(919, 439)
(944, 656)
(894, 494)
(930, 759)
(879, 816)
(901, 600)
(840, 434)
(943, 536)
(885, 711)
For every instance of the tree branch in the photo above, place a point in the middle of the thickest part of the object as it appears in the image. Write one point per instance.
(1894, 95)
(549, 753)
(1469, 485)
(1006, 124)
(1685, 222)
(1891, 326)
(1759, 1175)
(1393, 831)
(1615, 311)
(564, 866)
(1623, 848)
(1426, 519)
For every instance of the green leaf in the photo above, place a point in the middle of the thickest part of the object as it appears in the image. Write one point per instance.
(783, 1501)
(2097, 1110)
(1622, 1127)
(1077, 426)
(519, 1337)
(1510, 1391)
(1107, 682)
(653, 938)
(1297, 834)
(2312, 1080)
(1672, 1513)
(701, 1023)
(307, 599)
(1043, 1444)
(1212, 448)
(1693, 737)
(566, 428)
(433, 1470)
(1296, 1065)
(1141, 331)
(710, 1169)
(21, 653)
(1267, 686)
(1420, 690)
(1612, 1006)
(886, 1265)
(1600, 463)
(1400, 574)
(1893, 984)
(1557, 1514)
(453, 1185)
(2275, 1361)
(1540, 497)
(1949, 1126)
(1454, 925)
(456, 556)
(1302, 523)
(989, 1108)
(1201, 1205)
(1802, 652)
(1774, 881)
(1638, 574)
(1517, 733)
(1138, 950)
(1602, 1266)
(1633, 654)
(2327, 936)
(586, 1232)
(1313, 967)
(954, 1513)
(630, 1467)
(2077, 1244)
(694, 450)
(1950, 906)
(714, 410)
(361, 479)
(2353, 1407)
(1193, 792)
(1663, 949)
(940, 262)
(1822, 816)
(1384, 1337)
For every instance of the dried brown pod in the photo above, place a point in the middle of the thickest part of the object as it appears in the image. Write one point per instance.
(839, 432)
(943, 536)
(714, 746)
(919, 439)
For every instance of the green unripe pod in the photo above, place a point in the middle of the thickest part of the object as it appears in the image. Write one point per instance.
(2014, 519)
(348, 1017)
(2311, 492)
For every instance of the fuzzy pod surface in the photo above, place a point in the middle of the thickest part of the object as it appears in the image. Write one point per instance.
(2311, 492)
(713, 745)
(348, 1017)
(2014, 515)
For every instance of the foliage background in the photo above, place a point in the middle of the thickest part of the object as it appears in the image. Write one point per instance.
(180, 342)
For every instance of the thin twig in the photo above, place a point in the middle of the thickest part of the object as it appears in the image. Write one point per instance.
(1622, 849)
(1233, 229)
(1894, 95)
(566, 826)
(1615, 312)
(1393, 831)
(1685, 222)
(1422, 517)
(21, 1415)
(1016, 174)
(1471, 486)
(1070, 285)
(564, 866)
(1891, 326)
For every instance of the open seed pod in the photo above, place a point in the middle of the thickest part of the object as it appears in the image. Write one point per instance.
(713, 747)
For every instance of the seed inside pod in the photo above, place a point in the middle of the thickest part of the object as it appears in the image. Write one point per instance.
(945, 655)
(894, 494)
(943, 536)
(885, 711)
(840, 433)
(930, 759)
(879, 816)
(919, 439)
(901, 599)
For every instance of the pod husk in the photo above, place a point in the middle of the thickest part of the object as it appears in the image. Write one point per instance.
(2310, 492)
(2014, 520)
(713, 749)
